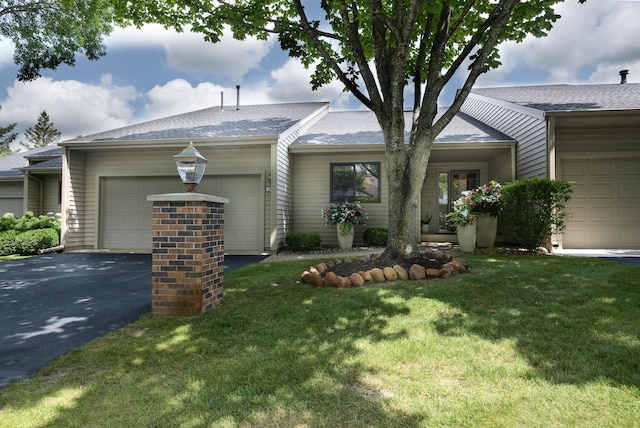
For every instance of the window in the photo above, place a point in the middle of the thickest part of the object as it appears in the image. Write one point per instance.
(355, 182)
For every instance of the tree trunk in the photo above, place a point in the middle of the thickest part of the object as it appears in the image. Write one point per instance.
(406, 170)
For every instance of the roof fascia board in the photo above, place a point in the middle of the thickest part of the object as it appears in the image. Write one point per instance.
(12, 178)
(302, 125)
(538, 114)
(349, 148)
(145, 144)
(593, 112)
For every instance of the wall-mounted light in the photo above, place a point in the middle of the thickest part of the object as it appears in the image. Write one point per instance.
(191, 165)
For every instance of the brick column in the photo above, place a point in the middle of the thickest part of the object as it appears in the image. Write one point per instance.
(187, 254)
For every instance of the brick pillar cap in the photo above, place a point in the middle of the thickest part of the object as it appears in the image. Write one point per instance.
(187, 197)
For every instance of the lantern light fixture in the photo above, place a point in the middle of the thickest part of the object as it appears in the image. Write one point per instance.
(191, 165)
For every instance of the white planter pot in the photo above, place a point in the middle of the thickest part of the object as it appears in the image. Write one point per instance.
(486, 230)
(466, 237)
(345, 235)
(424, 229)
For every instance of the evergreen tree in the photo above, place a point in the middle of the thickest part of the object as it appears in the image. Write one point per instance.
(7, 136)
(42, 134)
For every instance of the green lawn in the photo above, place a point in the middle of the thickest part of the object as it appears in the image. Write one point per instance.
(520, 341)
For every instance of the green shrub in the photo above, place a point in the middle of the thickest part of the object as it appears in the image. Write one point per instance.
(29, 222)
(7, 221)
(535, 209)
(375, 237)
(302, 241)
(31, 241)
(8, 245)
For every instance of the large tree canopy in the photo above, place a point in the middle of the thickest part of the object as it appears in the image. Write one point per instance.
(47, 33)
(376, 48)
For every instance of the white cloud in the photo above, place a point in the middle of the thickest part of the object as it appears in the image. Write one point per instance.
(597, 35)
(178, 96)
(188, 52)
(291, 82)
(74, 107)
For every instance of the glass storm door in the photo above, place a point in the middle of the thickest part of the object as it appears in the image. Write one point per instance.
(451, 184)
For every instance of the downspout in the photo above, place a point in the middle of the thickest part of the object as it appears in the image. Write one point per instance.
(552, 173)
(551, 147)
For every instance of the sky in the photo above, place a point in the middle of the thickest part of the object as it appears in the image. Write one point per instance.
(151, 73)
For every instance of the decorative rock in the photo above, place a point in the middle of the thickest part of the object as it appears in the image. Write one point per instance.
(365, 275)
(401, 272)
(433, 273)
(447, 270)
(321, 267)
(330, 279)
(316, 280)
(377, 275)
(312, 269)
(356, 280)
(417, 272)
(342, 282)
(461, 261)
(390, 274)
(306, 277)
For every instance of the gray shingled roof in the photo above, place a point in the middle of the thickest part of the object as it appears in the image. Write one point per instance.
(568, 97)
(248, 121)
(10, 165)
(51, 164)
(361, 127)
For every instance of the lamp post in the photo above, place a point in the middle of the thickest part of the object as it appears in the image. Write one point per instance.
(191, 165)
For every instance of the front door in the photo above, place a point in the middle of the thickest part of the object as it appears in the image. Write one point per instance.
(451, 184)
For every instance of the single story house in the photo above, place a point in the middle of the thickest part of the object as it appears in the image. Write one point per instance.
(280, 165)
(31, 181)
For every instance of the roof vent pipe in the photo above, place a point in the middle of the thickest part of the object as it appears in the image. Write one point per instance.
(221, 101)
(623, 76)
(237, 97)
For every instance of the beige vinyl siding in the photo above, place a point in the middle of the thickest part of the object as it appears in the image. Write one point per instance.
(33, 192)
(158, 162)
(50, 195)
(500, 168)
(74, 202)
(283, 184)
(525, 125)
(312, 189)
(43, 194)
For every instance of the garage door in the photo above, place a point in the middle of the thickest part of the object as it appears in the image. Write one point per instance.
(11, 205)
(605, 204)
(126, 213)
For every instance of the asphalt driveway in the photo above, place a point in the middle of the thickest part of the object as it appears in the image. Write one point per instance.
(52, 304)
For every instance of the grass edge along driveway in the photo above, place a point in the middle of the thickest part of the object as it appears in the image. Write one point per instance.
(518, 341)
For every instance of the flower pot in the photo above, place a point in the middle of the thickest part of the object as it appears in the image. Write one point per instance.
(345, 235)
(425, 228)
(486, 230)
(466, 237)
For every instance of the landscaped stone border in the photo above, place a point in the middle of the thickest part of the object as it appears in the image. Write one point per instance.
(318, 276)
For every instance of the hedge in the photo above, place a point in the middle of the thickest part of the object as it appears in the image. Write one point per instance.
(302, 241)
(375, 237)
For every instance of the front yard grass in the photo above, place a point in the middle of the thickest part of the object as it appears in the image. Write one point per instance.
(526, 341)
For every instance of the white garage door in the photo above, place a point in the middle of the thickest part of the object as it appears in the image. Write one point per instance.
(11, 205)
(126, 213)
(605, 204)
